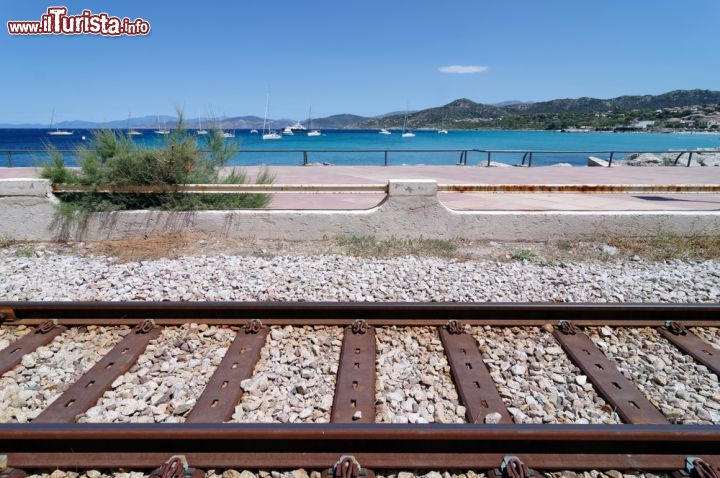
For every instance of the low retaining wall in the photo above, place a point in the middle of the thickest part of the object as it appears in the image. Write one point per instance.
(411, 209)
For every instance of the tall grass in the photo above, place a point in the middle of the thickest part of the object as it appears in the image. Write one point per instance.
(113, 158)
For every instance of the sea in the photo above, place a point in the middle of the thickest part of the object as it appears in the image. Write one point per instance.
(346, 147)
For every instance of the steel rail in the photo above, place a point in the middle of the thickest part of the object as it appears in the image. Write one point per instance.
(345, 313)
(391, 446)
(581, 188)
(224, 188)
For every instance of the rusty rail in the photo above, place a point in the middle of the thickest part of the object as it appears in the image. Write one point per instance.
(345, 313)
(393, 446)
(381, 188)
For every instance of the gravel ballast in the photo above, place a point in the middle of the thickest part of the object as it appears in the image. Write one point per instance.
(413, 383)
(164, 384)
(536, 380)
(323, 278)
(294, 380)
(683, 390)
(48, 371)
(710, 335)
(10, 334)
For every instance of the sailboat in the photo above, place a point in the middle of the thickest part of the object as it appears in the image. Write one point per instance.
(384, 131)
(442, 129)
(130, 130)
(200, 130)
(267, 133)
(162, 130)
(406, 132)
(58, 131)
(312, 132)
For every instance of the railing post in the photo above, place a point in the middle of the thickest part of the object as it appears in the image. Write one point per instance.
(305, 158)
(386, 161)
(678, 158)
(10, 165)
(522, 163)
(488, 161)
(689, 158)
(612, 153)
(530, 160)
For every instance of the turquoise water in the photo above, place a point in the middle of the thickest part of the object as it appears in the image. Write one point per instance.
(354, 140)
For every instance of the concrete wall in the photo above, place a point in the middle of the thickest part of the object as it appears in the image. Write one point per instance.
(411, 209)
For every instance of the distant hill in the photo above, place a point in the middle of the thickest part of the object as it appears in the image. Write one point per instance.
(458, 111)
(508, 103)
(677, 98)
(465, 113)
(461, 113)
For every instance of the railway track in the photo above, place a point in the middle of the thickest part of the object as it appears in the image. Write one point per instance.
(352, 444)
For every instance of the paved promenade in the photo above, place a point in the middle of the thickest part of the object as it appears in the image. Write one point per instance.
(495, 175)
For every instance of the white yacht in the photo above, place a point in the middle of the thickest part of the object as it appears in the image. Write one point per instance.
(312, 132)
(162, 130)
(442, 129)
(227, 134)
(58, 131)
(253, 131)
(267, 133)
(384, 131)
(297, 126)
(288, 131)
(200, 131)
(406, 132)
(130, 130)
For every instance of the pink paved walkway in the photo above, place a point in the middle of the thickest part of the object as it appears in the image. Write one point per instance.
(484, 201)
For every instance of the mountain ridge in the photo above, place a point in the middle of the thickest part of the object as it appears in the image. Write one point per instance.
(462, 113)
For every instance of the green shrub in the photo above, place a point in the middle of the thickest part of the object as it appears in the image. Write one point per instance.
(113, 158)
(530, 256)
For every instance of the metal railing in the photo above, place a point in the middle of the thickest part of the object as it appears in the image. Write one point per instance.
(463, 154)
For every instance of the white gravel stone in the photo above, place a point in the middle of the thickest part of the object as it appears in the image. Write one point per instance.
(710, 335)
(47, 372)
(279, 391)
(336, 277)
(536, 380)
(167, 379)
(9, 334)
(684, 391)
(413, 383)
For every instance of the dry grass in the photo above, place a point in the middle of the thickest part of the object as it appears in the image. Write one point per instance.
(660, 248)
(173, 245)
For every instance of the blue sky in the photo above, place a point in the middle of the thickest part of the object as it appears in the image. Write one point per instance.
(365, 57)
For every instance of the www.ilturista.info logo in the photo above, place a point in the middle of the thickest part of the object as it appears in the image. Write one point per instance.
(57, 22)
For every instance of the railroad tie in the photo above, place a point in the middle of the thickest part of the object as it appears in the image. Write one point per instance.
(354, 399)
(692, 345)
(87, 390)
(475, 386)
(223, 392)
(43, 334)
(629, 402)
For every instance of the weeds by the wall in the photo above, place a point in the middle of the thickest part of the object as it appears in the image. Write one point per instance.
(369, 246)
